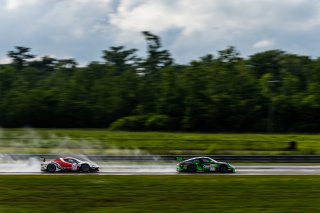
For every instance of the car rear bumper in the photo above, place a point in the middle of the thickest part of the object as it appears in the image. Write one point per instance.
(43, 167)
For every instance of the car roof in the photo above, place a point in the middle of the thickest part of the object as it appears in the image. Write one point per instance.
(70, 158)
(194, 158)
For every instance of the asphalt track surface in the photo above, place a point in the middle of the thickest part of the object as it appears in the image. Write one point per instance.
(159, 169)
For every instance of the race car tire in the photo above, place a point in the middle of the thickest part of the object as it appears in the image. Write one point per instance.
(51, 167)
(192, 168)
(223, 169)
(85, 168)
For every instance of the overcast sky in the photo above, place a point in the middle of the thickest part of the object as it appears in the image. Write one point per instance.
(81, 29)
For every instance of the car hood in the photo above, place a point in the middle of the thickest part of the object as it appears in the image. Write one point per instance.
(90, 163)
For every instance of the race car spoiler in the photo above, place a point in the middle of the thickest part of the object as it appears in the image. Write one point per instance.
(43, 159)
(179, 158)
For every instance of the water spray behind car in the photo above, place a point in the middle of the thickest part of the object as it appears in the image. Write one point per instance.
(8, 164)
(30, 141)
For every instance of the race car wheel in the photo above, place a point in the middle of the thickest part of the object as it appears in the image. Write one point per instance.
(192, 168)
(51, 168)
(223, 169)
(85, 168)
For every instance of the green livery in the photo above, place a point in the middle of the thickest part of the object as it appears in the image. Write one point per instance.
(204, 164)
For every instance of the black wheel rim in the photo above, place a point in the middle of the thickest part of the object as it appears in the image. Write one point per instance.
(224, 169)
(192, 168)
(85, 168)
(51, 168)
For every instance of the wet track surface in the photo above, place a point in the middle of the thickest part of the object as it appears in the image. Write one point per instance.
(167, 169)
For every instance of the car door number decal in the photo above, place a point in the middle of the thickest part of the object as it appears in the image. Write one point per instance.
(74, 167)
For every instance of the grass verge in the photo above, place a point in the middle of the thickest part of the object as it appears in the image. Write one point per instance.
(99, 141)
(159, 193)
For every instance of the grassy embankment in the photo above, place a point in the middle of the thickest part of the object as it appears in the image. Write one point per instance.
(199, 193)
(107, 142)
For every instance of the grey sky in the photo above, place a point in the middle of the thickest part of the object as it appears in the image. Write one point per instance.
(81, 29)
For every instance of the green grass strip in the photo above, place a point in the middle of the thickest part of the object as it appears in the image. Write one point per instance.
(180, 193)
(100, 141)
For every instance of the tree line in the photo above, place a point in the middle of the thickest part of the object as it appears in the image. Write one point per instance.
(271, 91)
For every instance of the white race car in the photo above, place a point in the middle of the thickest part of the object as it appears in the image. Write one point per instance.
(68, 164)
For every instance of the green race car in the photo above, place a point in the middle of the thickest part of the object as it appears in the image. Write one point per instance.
(204, 164)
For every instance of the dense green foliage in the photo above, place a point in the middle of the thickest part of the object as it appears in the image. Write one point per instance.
(271, 91)
(197, 193)
(98, 141)
(142, 122)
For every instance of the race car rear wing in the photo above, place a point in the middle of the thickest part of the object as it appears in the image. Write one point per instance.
(179, 158)
(43, 159)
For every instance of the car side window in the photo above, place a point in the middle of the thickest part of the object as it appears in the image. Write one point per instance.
(69, 160)
(205, 160)
(72, 161)
(66, 160)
